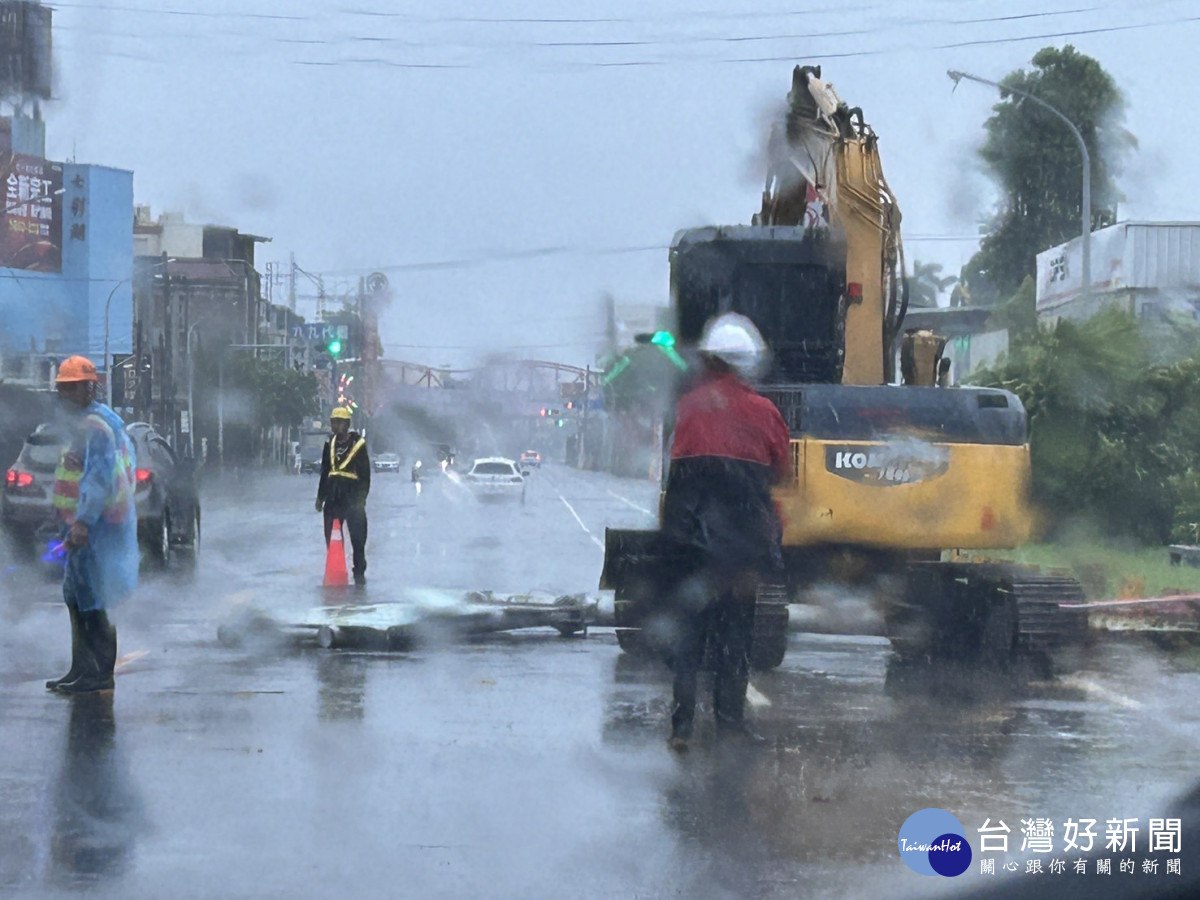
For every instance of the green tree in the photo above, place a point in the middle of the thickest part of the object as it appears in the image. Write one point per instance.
(926, 284)
(1036, 163)
(274, 394)
(1115, 439)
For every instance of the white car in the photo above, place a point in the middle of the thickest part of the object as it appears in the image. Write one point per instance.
(387, 462)
(496, 477)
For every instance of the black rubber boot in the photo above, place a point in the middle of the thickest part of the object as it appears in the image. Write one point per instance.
(729, 698)
(77, 651)
(683, 713)
(100, 641)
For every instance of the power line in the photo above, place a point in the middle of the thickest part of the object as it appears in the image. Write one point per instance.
(206, 14)
(578, 65)
(669, 40)
(1080, 33)
(517, 255)
(411, 18)
(500, 257)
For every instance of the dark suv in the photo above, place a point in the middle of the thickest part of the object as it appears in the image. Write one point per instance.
(167, 503)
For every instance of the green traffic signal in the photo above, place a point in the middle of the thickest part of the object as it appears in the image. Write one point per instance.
(334, 347)
(560, 423)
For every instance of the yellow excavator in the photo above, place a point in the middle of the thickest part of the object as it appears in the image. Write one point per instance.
(888, 474)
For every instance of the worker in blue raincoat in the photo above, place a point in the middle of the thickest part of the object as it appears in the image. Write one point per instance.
(94, 488)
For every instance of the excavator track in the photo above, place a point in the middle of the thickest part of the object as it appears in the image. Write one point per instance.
(994, 614)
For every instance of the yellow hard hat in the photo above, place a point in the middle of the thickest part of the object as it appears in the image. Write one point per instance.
(77, 368)
(340, 412)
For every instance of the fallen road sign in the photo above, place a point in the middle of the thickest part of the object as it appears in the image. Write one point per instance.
(421, 615)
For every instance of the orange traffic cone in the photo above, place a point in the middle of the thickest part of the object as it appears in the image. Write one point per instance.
(335, 558)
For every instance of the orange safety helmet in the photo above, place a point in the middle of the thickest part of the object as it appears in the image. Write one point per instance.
(76, 368)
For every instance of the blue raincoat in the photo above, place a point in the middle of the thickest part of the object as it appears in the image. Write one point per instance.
(95, 485)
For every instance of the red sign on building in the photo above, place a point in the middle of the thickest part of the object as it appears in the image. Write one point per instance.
(31, 226)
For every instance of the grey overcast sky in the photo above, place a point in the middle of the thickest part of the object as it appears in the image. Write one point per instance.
(507, 164)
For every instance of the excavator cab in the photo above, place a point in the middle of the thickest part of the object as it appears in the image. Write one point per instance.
(788, 281)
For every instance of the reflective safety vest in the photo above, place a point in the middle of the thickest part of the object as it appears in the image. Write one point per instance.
(69, 473)
(67, 476)
(338, 469)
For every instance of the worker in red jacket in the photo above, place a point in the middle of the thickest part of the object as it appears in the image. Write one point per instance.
(719, 523)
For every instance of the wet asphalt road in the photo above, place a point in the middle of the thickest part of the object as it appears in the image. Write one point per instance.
(521, 764)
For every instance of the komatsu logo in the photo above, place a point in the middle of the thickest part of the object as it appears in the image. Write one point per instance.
(905, 462)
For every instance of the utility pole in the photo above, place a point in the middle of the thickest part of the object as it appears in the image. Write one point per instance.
(587, 396)
(187, 334)
(167, 383)
(221, 407)
(292, 283)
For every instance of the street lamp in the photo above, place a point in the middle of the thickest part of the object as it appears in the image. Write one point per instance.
(956, 76)
(107, 306)
(107, 367)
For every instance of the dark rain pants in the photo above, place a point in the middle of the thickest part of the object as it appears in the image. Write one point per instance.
(726, 625)
(93, 637)
(355, 518)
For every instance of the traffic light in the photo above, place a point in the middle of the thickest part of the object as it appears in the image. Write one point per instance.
(542, 412)
(560, 422)
(570, 404)
(334, 347)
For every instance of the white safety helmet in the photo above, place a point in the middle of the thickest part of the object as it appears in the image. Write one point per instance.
(734, 339)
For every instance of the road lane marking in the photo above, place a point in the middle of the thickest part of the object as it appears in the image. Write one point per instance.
(640, 509)
(595, 540)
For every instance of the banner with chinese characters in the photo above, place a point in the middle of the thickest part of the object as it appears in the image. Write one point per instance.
(32, 221)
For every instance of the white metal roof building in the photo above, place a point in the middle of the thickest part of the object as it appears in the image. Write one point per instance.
(1150, 269)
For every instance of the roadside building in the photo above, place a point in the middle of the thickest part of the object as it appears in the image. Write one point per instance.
(1151, 270)
(197, 296)
(66, 259)
(65, 251)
